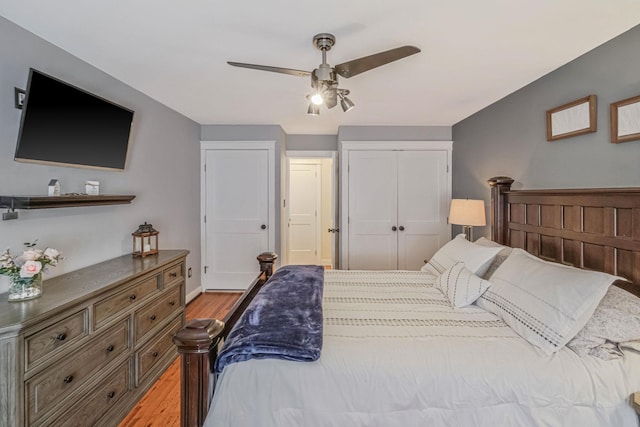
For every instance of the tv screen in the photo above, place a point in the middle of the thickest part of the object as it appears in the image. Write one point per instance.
(64, 125)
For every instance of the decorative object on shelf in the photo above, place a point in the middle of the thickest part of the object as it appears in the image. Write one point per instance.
(467, 213)
(625, 120)
(25, 270)
(574, 118)
(54, 188)
(145, 240)
(92, 188)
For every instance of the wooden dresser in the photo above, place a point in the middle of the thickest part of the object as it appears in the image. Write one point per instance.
(86, 351)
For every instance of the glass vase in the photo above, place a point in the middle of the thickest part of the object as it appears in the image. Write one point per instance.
(25, 288)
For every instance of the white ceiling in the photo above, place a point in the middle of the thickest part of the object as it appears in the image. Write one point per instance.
(473, 52)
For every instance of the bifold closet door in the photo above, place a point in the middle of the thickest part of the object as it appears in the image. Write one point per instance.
(422, 206)
(398, 204)
(373, 210)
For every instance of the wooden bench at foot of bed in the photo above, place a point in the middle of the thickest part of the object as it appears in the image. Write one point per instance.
(198, 344)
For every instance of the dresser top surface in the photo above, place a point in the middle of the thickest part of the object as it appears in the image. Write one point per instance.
(72, 288)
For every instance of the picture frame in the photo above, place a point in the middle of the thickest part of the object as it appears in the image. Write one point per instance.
(572, 119)
(625, 120)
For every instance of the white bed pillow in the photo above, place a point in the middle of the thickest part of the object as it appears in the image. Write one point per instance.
(483, 241)
(546, 303)
(615, 321)
(461, 286)
(505, 251)
(475, 257)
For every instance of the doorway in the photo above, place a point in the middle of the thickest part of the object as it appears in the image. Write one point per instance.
(309, 235)
(238, 211)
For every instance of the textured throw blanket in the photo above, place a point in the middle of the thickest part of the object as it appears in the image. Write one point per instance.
(284, 321)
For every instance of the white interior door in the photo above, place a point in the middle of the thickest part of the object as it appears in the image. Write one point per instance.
(236, 198)
(422, 206)
(372, 214)
(304, 210)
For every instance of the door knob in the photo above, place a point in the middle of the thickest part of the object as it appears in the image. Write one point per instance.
(394, 228)
(263, 226)
(401, 228)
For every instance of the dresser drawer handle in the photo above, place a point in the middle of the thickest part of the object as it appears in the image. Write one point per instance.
(153, 317)
(172, 303)
(173, 274)
(110, 348)
(68, 379)
(154, 354)
(61, 337)
(111, 394)
(132, 297)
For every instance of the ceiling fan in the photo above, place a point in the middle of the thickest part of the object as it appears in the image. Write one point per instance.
(324, 79)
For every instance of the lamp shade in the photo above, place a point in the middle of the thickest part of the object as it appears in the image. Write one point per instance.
(467, 212)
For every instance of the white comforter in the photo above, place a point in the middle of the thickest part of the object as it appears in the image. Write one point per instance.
(396, 354)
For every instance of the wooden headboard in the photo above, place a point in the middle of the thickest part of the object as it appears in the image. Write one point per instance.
(590, 228)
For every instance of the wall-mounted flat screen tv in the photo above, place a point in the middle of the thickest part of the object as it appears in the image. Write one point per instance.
(67, 126)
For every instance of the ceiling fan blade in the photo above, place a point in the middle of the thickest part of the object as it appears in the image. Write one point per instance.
(366, 63)
(281, 70)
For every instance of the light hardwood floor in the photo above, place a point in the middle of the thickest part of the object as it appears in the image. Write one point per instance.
(160, 407)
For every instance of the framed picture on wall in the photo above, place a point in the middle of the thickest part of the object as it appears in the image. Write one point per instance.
(625, 120)
(572, 119)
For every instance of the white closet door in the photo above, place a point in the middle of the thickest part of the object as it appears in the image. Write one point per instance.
(304, 204)
(422, 206)
(372, 210)
(236, 224)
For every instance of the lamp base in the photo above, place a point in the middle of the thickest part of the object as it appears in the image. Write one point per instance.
(466, 229)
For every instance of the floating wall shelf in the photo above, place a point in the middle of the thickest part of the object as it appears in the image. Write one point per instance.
(64, 201)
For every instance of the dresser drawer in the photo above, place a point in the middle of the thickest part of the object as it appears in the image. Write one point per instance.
(49, 387)
(98, 401)
(156, 312)
(55, 338)
(173, 274)
(125, 300)
(150, 354)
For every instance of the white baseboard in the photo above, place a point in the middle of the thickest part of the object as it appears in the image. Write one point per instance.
(191, 295)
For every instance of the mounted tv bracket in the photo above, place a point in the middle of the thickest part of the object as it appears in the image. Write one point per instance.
(11, 212)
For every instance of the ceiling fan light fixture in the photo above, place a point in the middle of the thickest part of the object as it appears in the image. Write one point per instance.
(324, 79)
(317, 99)
(313, 110)
(346, 103)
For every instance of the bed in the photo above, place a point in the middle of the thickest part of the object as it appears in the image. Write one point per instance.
(395, 351)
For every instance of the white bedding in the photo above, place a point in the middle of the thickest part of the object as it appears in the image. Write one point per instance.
(396, 354)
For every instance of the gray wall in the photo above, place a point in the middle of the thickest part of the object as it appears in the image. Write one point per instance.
(394, 133)
(312, 143)
(509, 137)
(255, 133)
(162, 168)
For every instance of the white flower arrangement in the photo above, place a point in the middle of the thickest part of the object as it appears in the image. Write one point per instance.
(29, 264)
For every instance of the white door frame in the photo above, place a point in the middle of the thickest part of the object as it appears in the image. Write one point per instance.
(346, 146)
(270, 146)
(297, 154)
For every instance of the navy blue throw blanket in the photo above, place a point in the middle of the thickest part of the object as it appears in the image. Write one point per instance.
(284, 321)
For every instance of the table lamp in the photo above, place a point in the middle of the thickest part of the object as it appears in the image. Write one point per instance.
(467, 213)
